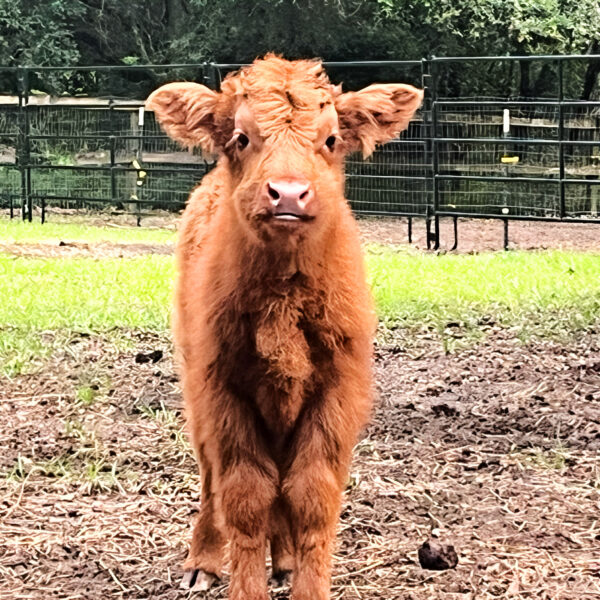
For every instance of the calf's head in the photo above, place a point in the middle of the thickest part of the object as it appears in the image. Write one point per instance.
(283, 130)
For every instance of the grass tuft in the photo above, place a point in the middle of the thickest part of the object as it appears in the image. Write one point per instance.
(540, 294)
(86, 395)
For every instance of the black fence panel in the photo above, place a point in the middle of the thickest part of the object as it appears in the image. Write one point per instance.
(516, 137)
(100, 150)
(497, 137)
(396, 179)
(12, 143)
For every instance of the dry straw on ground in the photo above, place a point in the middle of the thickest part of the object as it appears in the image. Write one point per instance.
(494, 449)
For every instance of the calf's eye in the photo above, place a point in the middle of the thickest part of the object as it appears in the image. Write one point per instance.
(242, 141)
(330, 142)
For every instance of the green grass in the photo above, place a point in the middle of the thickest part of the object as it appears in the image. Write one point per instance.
(87, 394)
(549, 293)
(85, 294)
(45, 302)
(19, 232)
(557, 458)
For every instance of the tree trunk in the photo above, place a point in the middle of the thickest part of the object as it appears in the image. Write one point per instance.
(541, 83)
(591, 74)
(176, 17)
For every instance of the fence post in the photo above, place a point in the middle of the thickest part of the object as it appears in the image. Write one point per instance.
(428, 133)
(23, 144)
(20, 149)
(113, 151)
(561, 134)
(211, 75)
(434, 147)
(112, 140)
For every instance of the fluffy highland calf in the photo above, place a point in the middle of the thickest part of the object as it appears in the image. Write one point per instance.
(274, 319)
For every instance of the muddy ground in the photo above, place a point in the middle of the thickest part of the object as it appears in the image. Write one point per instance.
(494, 448)
(64, 249)
(480, 235)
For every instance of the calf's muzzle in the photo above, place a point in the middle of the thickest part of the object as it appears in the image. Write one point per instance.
(290, 199)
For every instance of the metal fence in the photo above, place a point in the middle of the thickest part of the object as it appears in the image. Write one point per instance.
(516, 156)
(497, 137)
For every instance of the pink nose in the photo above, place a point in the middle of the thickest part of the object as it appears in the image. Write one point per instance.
(291, 195)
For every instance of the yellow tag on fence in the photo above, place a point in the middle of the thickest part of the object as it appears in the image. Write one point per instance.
(510, 159)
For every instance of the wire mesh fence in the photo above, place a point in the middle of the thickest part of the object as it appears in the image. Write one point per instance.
(521, 141)
(503, 137)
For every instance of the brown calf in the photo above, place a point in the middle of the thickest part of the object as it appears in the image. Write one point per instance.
(274, 319)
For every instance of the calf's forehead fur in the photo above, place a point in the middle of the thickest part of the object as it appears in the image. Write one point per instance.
(283, 96)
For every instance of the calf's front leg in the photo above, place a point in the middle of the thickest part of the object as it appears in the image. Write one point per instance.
(248, 491)
(282, 549)
(205, 559)
(313, 485)
(244, 480)
(313, 492)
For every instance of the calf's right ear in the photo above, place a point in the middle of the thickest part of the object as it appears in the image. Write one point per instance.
(186, 112)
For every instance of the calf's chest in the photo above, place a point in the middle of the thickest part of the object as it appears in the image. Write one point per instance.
(279, 358)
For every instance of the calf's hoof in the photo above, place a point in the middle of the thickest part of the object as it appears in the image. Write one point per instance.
(281, 579)
(197, 580)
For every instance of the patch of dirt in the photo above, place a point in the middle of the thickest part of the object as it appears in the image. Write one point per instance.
(80, 249)
(155, 219)
(479, 235)
(474, 236)
(494, 449)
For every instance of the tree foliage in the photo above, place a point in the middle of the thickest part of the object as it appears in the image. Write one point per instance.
(154, 31)
(38, 33)
(193, 31)
(514, 26)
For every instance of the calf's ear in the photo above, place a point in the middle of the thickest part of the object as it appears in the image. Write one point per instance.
(376, 114)
(186, 112)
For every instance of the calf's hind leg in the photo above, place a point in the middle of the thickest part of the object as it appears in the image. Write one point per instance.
(204, 563)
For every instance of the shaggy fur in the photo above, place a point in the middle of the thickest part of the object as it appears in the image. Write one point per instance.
(274, 322)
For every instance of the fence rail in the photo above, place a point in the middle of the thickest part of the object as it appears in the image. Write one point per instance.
(485, 145)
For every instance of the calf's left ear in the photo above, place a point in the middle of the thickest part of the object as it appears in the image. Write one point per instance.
(187, 113)
(376, 114)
